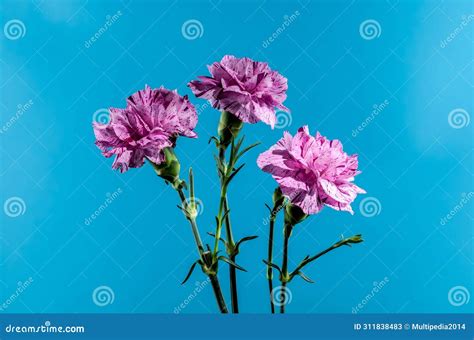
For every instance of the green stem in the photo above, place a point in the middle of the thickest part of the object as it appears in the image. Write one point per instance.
(228, 128)
(233, 286)
(219, 218)
(345, 242)
(218, 293)
(284, 267)
(194, 227)
(229, 235)
(230, 243)
(270, 259)
(212, 277)
(278, 203)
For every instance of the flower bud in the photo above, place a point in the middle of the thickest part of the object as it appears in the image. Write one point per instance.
(278, 197)
(355, 239)
(294, 214)
(229, 127)
(169, 169)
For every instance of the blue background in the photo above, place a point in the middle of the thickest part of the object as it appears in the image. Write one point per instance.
(414, 163)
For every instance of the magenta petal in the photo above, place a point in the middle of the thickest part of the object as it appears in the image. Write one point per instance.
(248, 89)
(312, 171)
(152, 121)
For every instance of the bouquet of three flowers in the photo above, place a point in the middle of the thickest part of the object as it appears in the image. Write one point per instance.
(311, 171)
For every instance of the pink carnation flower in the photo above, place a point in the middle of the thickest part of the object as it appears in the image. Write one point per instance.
(248, 89)
(151, 121)
(312, 171)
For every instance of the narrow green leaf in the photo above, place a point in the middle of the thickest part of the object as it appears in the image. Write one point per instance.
(232, 150)
(247, 149)
(220, 165)
(234, 173)
(214, 235)
(239, 145)
(213, 139)
(225, 214)
(245, 239)
(190, 272)
(272, 265)
(191, 186)
(230, 262)
(304, 277)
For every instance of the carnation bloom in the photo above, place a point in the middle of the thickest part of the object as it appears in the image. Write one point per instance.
(248, 89)
(312, 171)
(151, 122)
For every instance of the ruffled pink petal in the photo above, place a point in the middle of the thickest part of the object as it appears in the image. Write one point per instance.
(152, 121)
(248, 89)
(312, 171)
(308, 201)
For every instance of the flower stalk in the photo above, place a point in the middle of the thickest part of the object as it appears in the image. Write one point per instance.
(293, 216)
(312, 171)
(228, 130)
(230, 244)
(343, 242)
(169, 170)
(284, 276)
(278, 203)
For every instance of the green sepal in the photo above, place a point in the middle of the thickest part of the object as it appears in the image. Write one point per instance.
(294, 214)
(278, 198)
(169, 169)
(228, 128)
